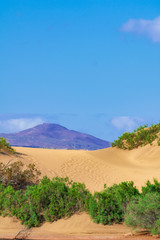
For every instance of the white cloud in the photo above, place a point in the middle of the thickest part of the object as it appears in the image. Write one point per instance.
(150, 28)
(126, 123)
(19, 124)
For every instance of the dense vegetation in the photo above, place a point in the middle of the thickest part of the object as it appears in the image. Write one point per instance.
(49, 200)
(143, 212)
(4, 145)
(109, 206)
(140, 137)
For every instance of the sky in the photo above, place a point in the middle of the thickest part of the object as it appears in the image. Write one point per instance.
(89, 65)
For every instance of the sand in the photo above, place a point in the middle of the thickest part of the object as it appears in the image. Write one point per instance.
(94, 168)
(77, 225)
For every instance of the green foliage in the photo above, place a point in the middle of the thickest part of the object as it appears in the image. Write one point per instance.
(4, 145)
(49, 200)
(140, 137)
(104, 209)
(108, 207)
(144, 213)
(151, 187)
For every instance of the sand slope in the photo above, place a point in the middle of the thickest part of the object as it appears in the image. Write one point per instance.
(94, 168)
(79, 224)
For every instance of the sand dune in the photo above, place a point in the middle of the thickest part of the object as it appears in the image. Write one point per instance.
(94, 168)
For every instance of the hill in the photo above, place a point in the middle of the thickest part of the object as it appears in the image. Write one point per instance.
(95, 168)
(56, 137)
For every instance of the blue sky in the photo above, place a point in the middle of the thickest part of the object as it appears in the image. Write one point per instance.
(90, 65)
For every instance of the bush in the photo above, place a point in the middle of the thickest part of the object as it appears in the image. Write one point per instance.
(4, 145)
(104, 209)
(140, 137)
(144, 213)
(49, 200)
(151, 187)
(108, 207)
(66, 199)
(17, 177)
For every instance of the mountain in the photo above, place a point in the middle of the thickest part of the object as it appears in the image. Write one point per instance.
(48, 135)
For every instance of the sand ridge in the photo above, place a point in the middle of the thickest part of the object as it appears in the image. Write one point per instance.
(96, 168)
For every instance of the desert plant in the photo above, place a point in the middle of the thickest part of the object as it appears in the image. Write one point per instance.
(4, 145)
(151, 187)
(49, 200)
(108, 206)
(140, 137)
(16, 176)
(144, 213)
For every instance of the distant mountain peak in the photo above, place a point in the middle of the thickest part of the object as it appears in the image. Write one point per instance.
(46, 127)
(50, 135)
(49, 126)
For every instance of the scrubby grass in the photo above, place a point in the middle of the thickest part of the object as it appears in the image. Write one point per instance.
(4, 145)
(140, 137)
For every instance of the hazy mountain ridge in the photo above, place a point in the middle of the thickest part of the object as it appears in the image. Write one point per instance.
(54, 136)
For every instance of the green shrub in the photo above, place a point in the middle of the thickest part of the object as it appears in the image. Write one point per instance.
(104, 209)
(49, 200)
(144, 213)
(108, 207)
(151, 187)
(79, 197)
(6, 199)
(4, 145)
(140, 137)
(69, 198)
